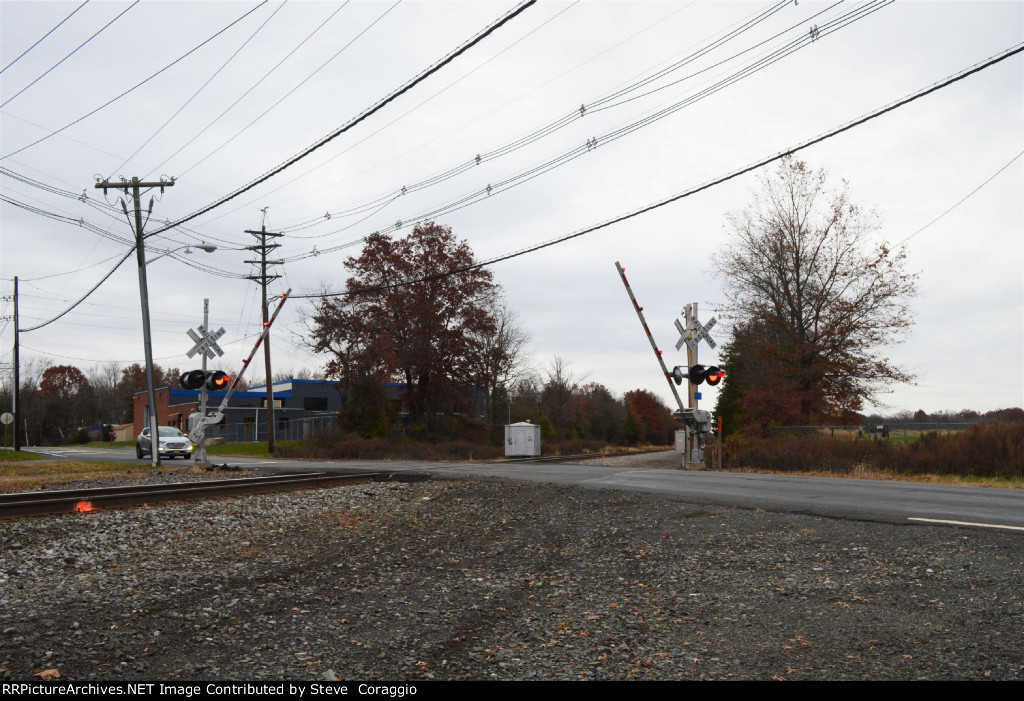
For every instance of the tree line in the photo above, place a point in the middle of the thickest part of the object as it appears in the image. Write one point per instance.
(59, 403)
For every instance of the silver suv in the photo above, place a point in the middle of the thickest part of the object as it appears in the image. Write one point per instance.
(172, 443)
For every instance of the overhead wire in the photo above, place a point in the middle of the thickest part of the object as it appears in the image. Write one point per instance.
(137, 85)
(524, 140)
(39, 41)
(73, 52)
(305, 223)
(52, 189)
(965, 198)
(290, 92)
(497, 187)
(487, 31)
(961, 75)
(251, 88)
(86, 295)
(364, 115)
(200, 89)
(393, 196)
(575, 152)
(64, 218)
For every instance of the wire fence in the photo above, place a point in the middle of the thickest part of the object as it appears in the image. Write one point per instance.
(286, 429)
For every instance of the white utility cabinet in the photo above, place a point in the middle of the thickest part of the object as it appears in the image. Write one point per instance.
(522, 439)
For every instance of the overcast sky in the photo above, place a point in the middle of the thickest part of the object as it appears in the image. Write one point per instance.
(287, 74)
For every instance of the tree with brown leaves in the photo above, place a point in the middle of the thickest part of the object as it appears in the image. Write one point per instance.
(815, 299)
(415, 310)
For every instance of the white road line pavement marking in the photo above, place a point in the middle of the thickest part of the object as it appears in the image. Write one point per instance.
(968, 523)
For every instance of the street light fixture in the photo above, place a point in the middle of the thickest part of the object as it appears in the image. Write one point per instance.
(209, 248)
(154, 431)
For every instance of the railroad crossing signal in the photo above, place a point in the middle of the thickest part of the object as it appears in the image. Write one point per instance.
(217, 380)
(197, 379)
(205, 342)
(698, 374)
(194, 379)
(691, 337)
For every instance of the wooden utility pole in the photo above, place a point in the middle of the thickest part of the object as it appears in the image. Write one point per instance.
(17, 373)
(140, 254)
(262, 247)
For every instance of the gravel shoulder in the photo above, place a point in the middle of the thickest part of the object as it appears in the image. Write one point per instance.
(496, 580)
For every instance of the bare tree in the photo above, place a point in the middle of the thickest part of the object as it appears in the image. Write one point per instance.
(814, 296)
(501, 361)
(560, 388)
(104, 379)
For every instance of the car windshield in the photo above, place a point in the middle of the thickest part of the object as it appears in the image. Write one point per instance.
(170, 432)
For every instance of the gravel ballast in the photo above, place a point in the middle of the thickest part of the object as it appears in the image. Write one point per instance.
(497, 580)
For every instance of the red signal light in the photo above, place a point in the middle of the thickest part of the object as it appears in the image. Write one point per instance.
(217, 380)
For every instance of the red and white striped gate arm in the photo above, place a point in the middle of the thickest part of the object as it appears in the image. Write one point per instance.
(214, 418)
(654, 346)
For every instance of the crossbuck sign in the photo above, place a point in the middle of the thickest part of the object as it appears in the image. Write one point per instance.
(699, 331)
(206, 342)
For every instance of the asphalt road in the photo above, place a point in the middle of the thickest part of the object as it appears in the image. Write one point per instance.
(854, 499)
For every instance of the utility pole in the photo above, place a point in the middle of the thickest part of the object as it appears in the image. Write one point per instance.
(140, 253)
(17, 373)
(262, 247)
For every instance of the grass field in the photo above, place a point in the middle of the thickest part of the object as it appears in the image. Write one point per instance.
(29, 475)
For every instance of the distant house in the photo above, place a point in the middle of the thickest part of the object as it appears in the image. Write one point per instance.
(123, 432)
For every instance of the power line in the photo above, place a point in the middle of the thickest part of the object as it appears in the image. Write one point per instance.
(718, 181)
(290, 92)
(251, 88)
(408, 86)
(66, 219)
(392, 196)
(201, 88)
(527, 139)
(137, 85)
(376, 108)
(966, 197)
(46, 35)
(579, 150)
(86, 295)
(47, 72)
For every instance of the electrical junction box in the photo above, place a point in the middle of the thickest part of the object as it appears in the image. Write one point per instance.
(522, 440)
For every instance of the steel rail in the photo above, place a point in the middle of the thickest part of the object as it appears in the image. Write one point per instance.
(64, 501)
(582, 456)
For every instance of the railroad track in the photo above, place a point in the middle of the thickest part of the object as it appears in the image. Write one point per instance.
(573, 458)
(64, 501)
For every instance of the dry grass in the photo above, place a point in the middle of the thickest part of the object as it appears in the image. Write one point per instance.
(988, 453)
(26, 476)
(32, 475)
(868, 473)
